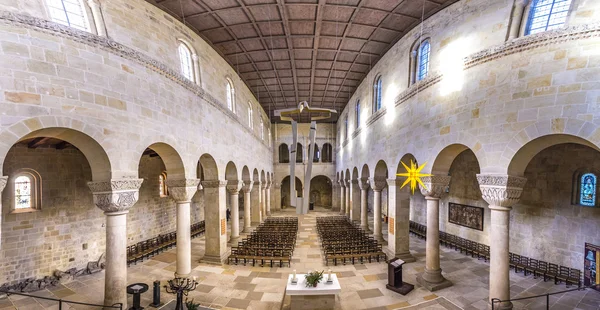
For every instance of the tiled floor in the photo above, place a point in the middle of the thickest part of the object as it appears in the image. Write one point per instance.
(363, 285)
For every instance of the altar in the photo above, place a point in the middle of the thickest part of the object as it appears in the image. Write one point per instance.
(320, 297)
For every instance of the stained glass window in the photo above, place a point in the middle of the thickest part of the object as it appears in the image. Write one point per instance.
(262, 129)
(547, 15)
(23, 192)
(69, 13)
(587, 190)
(423, 57)
(162, 184)
(185, 58)
(230, 96)
(357, 111)
(377, 94)
(346, 127)
(250, 122)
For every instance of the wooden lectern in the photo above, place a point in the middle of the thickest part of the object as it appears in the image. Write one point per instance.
(395, 278)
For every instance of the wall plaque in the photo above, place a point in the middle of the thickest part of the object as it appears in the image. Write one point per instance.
(223, 226)
(463, 215)
(591, 265)
(391, 225)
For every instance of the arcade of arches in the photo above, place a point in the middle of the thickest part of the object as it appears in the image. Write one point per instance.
(126, 120)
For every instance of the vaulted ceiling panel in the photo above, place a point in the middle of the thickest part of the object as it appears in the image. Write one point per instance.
(288, 51)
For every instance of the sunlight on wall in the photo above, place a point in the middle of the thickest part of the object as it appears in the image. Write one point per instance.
(452, 65)
(389, 97)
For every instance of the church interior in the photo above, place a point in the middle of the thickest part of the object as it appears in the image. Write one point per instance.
(300, 154)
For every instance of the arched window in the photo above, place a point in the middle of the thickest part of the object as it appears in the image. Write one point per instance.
(262, 129)
(269, 135)
(546, 15)
(357, 113)
(377, 94)
(69, 13)
(162, 185)
(284, 153)
(587, 190)
(316, 154)
(185, 60)
(27, 190)
(298, 152)
(346, 128)
(423, 60)
(327, 156)
(230, 95)
(250, 122)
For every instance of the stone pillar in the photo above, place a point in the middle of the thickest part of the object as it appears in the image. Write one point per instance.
(335, 203)
(377, 185)
(216, 222)
(256, 200)
(354, 201)
(115, 197)
(363, 184)
(348, 197)
(182, 192)
(501, 192)
(3, 181)
(432, 278)
(234, 187)
(342, 197)
(247, 188)
(97, 17)
(196, 64)
(398, 221)
(268, 197)
(277, 196)
(263, 201)
(516, 19)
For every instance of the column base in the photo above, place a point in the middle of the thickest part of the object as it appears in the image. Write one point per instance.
(234, 241)
(379, 238)
(433, 280)
(406, 257)
(501, 306)
(215, 260)
(247, 229)
(365, 228)
(268, 213)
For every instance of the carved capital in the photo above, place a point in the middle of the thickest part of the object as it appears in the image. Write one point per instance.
(342, 183)
(214, 184)
(234, 187)
(247, 186)
(377, 184)
(435, 185)
(501, 190)
(115, 195)
(363, 183)
(182, 190)
(277, 185)
(3, 181)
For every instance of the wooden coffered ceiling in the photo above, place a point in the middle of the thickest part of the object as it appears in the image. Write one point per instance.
(288, 51)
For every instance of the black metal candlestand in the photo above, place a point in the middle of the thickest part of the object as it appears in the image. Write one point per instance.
(180, 286)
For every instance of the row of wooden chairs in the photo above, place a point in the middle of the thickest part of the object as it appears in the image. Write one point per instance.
(538, 268)
(153, 246)
(272, 242)
(344, 241)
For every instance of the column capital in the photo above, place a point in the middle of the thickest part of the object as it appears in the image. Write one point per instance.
(263, 185)
(394, 182)
(116, 195)
(234, 186)
(3, 181)
(214, 183)
(277, 185)
(182, 190)
(363, 183)
(435, 185)
(247, 186)
(348, 182)
(342, 183)
(377, 184)
(501, 191)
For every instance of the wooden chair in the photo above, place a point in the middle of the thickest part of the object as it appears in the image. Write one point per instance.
(551, 272)
(574, 277)
(531, 266)
(541, 270)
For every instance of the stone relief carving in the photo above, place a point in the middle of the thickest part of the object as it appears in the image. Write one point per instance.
(501, 190)
(115, 195)
(183, 183)
(182, 190)
(234, 187)
(377, 184)
(216, 183)
(435, 185)
(3, 181)
(363, 183)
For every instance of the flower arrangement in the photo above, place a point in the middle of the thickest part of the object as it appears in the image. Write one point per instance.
(191, 305)
(313, 278)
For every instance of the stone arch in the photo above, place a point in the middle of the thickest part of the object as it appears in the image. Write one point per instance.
(255, 175)
(461, 138)
(284, 153)
(406, 159)
(85, 138)
(381, 170)
(231, 173)
(299, 153)
(246, 174)
(285, 190)
(355, 175)
(327, 153)
(341, 177)
(210, 170)
(365, 174)
(262, 177)
(171, 159)
(347, 176)
(445, 158)
(523, 156)
(321, 191)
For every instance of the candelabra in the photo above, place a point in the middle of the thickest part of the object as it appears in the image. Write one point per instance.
(181, 286)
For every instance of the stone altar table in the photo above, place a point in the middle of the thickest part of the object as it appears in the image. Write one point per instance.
(320, 297)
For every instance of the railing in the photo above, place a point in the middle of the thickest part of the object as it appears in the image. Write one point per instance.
(581, 288)
(60, 301)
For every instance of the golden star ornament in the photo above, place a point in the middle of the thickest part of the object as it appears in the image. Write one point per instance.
(413, 175)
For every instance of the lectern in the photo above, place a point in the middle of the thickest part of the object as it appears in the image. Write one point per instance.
(395, 278)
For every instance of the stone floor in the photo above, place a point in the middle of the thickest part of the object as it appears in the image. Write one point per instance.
(363, 285)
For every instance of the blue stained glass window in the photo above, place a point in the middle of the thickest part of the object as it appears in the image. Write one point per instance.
(587, 193)
(346, 127)
(377, 94)
(423, 68)
(547, 15)
(357, 111)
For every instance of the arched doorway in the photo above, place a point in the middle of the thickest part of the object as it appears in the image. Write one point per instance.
(321, 191)
(285, 191)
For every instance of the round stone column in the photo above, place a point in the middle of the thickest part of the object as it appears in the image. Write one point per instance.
(342, 197)
(263, 201)
(516, 19)
(182, 192)
(115, 198)
(268, 198)
(432, 279)
(501, 192)
(377, 185)
(234, 187)
(348, 197)
(247, 189)
(363, 184)
(97, 17)
(3, 181)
